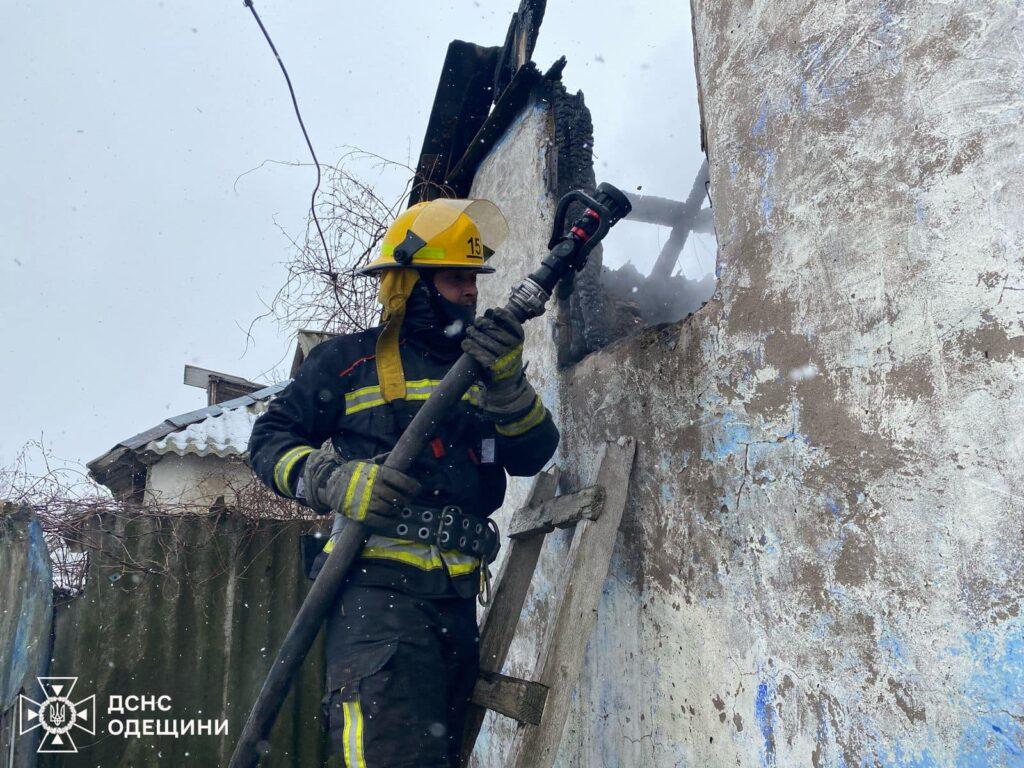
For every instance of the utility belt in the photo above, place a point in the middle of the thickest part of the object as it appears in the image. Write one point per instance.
(448, 528)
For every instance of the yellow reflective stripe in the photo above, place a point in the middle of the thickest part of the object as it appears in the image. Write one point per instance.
(358, 491)
(525, 424)
(360, 399)
(355, 394)
(350, 492)
(422, 556)
(431, 563)
(371, 397)
(457, 564)
(363, 406)
(420, 390)
(285, 465)
(431, 253)
(423, 384)
(364, 502)
(508, 364)
(353, 735)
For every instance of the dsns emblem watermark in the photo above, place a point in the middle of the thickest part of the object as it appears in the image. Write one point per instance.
(58, 715)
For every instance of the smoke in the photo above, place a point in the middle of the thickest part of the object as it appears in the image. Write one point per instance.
(646, 300)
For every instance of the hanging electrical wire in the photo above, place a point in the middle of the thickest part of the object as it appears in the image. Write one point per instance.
(295, 103)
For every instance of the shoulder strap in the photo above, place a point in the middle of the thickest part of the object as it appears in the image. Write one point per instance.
(395, 287)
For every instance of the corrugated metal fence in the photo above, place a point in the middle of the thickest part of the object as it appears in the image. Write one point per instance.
(192, 608)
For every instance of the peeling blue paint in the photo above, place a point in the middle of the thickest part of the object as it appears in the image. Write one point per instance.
(760, 469)
(729, 436)
(833, 506)
(794, 432)
(817, 84)
(757, 129)
(769, 158)
(666, 496)
(888, 37)
(891, 646)
(996, 691)
(822, 627)
(33, 602)
(992, 700)
(764, 712)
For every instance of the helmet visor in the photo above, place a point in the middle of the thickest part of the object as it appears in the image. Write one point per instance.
(440, 215)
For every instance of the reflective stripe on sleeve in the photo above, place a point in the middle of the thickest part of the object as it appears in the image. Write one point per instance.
(525, 424)
(359, 490)
(508, 364)
(474, 395)
(284, 466)
(364, 500)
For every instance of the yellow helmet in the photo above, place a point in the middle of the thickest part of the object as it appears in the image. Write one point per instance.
(442, 234)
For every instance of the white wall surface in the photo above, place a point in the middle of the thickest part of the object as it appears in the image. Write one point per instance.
(195, 480)
(820, 563)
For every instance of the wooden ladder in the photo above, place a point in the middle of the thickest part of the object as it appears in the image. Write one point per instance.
(541, 707)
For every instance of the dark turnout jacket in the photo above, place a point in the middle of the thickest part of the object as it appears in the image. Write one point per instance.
(336, 396)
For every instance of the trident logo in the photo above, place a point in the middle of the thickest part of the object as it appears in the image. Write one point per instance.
(57, 715)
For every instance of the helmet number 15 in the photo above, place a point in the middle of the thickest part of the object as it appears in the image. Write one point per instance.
(475, 248)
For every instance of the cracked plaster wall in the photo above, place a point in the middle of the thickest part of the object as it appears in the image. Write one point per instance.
(821, 560)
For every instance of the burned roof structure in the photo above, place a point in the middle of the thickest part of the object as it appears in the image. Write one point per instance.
(481, 91)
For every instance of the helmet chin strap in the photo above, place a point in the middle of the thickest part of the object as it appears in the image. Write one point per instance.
(396, 285)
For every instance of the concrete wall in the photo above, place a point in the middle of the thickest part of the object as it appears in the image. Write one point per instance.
(195, 480)
(821, 562)
(517, 176)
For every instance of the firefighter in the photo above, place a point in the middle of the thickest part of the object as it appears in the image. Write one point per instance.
(402, 643)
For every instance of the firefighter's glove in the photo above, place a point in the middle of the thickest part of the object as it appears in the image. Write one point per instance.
(495, 341)
(355, 488)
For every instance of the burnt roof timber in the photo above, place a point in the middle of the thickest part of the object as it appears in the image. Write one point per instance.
(505, 111)
(465, 91)
(472, 79)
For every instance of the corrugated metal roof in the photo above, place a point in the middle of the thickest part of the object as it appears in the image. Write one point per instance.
(220, 430)
(221, 438)
(223, 434)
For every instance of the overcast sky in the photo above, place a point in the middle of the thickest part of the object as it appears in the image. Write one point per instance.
(127, 248)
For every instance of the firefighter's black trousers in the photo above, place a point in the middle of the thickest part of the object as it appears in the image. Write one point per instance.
(400, 670)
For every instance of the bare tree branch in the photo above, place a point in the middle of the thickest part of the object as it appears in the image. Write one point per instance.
(65, 501)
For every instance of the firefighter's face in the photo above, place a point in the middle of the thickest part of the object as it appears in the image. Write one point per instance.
(457, 285)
